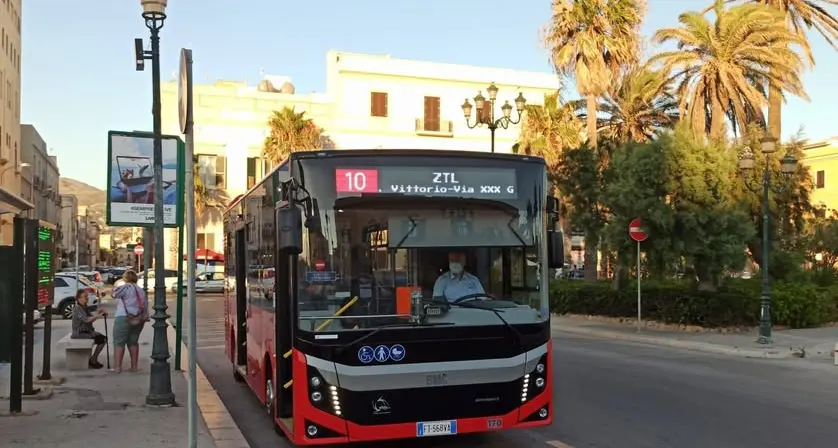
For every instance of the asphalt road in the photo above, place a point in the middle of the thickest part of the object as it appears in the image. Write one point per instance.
(614, 394)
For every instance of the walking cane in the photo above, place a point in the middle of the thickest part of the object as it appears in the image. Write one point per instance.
(107, 344)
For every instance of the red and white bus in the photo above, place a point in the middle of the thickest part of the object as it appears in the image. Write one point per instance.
(332, 318)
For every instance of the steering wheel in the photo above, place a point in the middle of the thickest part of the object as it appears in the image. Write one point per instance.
(473, 296)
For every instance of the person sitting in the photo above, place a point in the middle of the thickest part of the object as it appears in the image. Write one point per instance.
(456, 282)
(83, 327)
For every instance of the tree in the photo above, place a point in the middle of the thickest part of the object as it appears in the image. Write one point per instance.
(546, 131)
(638, 106)
(679, 185)
(788, 208)
(821, 246)
(591, 40)
(580, 180)
(290, 131)
(209, 202)
(724, 67)
(801, 15)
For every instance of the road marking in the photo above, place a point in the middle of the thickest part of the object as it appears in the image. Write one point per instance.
(557, 444)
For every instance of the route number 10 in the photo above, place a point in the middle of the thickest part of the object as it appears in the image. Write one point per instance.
(356, 181)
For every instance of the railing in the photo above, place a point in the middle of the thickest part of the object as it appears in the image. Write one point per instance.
(434, 128)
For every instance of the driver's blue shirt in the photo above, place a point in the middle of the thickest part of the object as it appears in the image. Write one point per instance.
(452, 286)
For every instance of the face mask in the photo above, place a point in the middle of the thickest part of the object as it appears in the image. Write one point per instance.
(456, 268)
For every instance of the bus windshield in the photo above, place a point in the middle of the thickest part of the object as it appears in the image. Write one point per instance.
(365, 257)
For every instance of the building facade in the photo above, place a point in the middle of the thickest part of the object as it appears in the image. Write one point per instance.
(88, 239)
(822, 160)
(39, 184)
(68, 229)
(370, 102)
(10, 55)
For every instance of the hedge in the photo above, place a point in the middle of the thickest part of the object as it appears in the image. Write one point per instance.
(736, 304)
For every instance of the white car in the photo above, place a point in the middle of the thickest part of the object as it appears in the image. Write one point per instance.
(65, 294)
(207, 282)
(93, 276)
(169, 281)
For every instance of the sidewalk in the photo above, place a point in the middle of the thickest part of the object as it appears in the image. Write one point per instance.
(96, 408)
(811, 343)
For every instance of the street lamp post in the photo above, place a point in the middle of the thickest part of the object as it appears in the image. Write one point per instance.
(160, 384)
(490, 121)
(788, 166)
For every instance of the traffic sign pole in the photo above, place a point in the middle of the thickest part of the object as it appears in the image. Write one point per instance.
(637, 233)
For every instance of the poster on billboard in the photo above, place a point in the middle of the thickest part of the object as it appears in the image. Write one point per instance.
(130, 190)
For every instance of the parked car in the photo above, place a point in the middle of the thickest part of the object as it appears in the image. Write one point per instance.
(207, 282)
(65, 294)
(115, 275)
(169, 281)
(93, 276)
(37, 315)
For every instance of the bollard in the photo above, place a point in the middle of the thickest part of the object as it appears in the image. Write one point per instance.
(46, 375)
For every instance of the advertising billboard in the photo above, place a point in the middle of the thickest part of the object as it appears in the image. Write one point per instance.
(130, 190)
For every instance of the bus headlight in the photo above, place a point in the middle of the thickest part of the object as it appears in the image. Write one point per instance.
(539, 368)
(539, 382)
(316, 397)
(536, 377)
(333, 391)
(315, 381)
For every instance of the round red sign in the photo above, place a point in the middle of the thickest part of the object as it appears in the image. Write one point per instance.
(138, 250)
(636, 230)
(320, 265)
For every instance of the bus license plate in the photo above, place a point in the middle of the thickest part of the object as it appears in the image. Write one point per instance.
(442, 428)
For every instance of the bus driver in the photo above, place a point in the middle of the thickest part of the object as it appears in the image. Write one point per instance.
(456, 283)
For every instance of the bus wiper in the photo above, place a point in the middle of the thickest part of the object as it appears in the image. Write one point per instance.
(518, 338)
(407, 234)
(514, 232)
(405, 324)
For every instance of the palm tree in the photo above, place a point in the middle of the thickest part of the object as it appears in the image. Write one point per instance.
(591, 40)
(209, 202)
(801, 16)
(547, 130)
(638, 107)
(721, 67)
(290, 131)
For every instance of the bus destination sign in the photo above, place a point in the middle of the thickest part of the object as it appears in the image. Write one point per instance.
(477, 183)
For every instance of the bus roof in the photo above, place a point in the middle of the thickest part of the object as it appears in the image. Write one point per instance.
(401, 152)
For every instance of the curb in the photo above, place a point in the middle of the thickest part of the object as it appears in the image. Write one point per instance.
(223, 429)
(704, 347)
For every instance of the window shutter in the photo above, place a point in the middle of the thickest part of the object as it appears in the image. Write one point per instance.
(820, 182)
(432, 113)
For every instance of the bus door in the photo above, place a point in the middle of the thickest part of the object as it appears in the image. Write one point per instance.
(241, 299)
(288, 247)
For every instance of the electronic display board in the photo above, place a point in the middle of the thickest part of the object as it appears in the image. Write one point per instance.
(475, 183)
(46, 265)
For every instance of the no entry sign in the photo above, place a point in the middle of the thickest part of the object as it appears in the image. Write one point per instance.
(138, 250)
(636, 230)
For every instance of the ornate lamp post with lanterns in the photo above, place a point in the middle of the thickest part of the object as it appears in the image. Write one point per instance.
(160, 383)
(488, 117)
(788, 166)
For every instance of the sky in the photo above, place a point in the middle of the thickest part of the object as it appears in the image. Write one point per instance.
(79, 79)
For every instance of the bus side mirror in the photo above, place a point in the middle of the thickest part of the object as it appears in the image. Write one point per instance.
(552, 205)
(289, 225)
(555, 249)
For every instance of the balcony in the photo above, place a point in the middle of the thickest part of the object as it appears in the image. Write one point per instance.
(440, 128)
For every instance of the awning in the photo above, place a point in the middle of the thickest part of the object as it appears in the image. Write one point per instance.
(12, 203)
(207, 255)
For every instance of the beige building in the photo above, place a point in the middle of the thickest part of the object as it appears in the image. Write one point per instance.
(68, 228)
(10, 169)
(370, 102)
(88, 239)
(822, 160)
(39, 184)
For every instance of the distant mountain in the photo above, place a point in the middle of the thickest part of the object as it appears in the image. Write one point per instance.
(87, 195)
